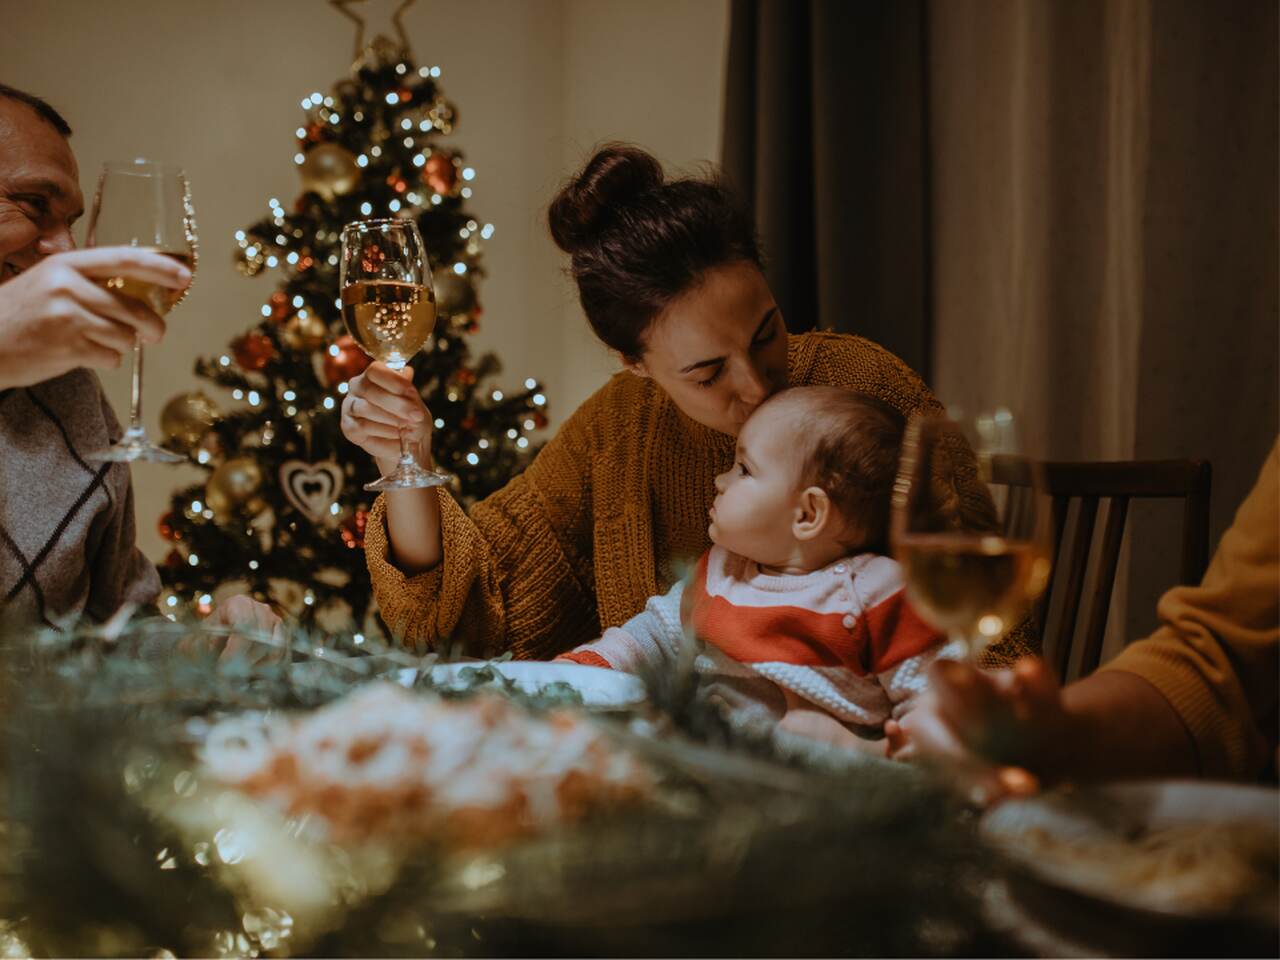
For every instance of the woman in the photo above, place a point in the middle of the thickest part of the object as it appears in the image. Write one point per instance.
(669, 275)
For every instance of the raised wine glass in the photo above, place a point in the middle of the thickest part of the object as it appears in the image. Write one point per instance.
(977, 582)
(147, 205)
(389, 307)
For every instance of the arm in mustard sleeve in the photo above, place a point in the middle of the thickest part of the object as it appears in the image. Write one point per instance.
(1216, 656)
(516, 574)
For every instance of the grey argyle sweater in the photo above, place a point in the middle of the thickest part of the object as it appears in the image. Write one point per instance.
(66, 524)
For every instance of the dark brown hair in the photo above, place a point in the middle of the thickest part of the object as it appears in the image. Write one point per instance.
(638, 240)
(42, 109)
(853, 449)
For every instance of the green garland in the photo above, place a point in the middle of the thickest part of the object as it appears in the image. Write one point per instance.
(116, 847)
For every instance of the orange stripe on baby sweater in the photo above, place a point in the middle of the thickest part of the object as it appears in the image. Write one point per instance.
(585, 657)
(786, 634)
(895, 633)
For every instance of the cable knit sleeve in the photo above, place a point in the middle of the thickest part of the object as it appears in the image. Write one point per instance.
(517, 573)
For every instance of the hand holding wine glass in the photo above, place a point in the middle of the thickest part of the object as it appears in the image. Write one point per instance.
(54, 316)
(389, 309)
(973, 585)
(147, 206)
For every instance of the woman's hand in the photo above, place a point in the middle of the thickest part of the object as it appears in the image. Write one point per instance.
(379, 403)
(989, 730)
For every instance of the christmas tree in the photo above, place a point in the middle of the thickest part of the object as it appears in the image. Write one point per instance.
(282, 512)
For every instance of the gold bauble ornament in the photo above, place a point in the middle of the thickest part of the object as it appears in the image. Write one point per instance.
(443, 116)
(330, 170)
(232, 485)
(187, 418)
(304, 331)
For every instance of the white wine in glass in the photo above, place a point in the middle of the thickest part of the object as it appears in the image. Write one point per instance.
(390, 319)
(146, 205)
(389, 308)
(971, 584)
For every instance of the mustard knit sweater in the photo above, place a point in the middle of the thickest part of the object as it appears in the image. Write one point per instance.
(1216, 657)
(607, 515)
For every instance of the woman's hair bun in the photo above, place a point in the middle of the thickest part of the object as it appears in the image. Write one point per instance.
(616, 174)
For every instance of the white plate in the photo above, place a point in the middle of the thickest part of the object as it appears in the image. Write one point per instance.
(598, 687)
(1112, 814)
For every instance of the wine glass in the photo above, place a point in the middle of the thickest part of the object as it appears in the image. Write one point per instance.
(971, 525)
(148, 205)
(389, 307)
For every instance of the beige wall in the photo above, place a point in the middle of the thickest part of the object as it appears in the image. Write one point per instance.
(215, 86)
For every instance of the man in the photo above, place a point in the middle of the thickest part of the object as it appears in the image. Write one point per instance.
(67, 545)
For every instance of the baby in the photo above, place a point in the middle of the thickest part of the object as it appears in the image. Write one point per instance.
(803, 617)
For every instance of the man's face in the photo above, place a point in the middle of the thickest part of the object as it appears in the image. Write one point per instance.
(39, 190)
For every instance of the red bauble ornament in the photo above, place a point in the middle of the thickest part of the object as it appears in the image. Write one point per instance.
(539, 419)
(440, 174)
(405, 94)
(397, 183)
(316, 132)
(468, 423)
(348, 361)
(352, 530)
(465, 376)
(279, 306)
(306, 262)
(173, 560)
(169, 526)
(253, 351)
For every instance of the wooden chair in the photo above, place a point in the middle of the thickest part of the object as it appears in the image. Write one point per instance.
(1089, 483)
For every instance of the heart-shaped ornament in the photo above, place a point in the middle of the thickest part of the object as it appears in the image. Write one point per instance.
(311, 487)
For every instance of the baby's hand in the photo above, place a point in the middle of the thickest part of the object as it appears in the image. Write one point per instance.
(981, 728)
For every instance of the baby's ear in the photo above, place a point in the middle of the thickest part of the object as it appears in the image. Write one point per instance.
(812, 514)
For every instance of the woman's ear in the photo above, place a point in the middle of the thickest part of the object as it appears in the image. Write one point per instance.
(812, 514)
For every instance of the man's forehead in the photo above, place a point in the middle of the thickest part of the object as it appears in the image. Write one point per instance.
(34, 154)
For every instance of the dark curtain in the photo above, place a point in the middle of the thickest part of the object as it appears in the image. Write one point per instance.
(826, 136)
(1068, 207)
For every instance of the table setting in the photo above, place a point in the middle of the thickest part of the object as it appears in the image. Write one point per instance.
(358, 799)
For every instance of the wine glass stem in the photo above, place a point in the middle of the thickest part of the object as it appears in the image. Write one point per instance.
(135, 405)
(406, 455)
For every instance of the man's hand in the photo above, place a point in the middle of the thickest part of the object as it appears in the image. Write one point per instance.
(54, 317)
(988, 730)
(244, 615)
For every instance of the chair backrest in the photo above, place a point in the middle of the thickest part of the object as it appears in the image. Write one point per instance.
(1089, 483)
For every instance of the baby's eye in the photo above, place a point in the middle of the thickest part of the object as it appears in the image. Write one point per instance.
(742, 470)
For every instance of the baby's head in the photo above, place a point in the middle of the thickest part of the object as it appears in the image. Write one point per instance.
(811, 481)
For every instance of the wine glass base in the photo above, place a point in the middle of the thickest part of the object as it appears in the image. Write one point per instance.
(409, 478)
(129, 450)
